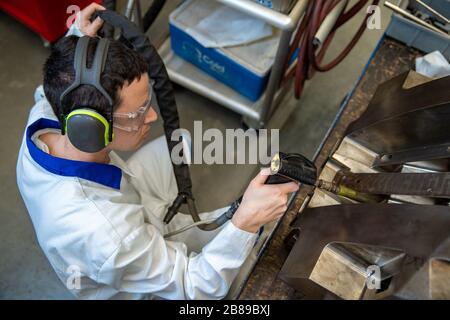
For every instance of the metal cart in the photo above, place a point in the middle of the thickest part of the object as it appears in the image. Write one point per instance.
(255, 114)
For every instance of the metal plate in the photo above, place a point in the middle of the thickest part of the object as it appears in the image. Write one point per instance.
(405, 125)
(342, 268)
(355, 156)
(416, 230)
(440, 279)
(439, 272)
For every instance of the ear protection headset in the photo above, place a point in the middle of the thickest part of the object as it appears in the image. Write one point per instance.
(87, 129)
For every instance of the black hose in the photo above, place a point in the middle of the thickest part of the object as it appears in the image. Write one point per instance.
(221, 220)
(107, 30)
(132, 36)
(110, 4)
(152, 13)
(147, 21)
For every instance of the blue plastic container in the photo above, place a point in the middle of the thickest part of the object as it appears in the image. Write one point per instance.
(222, 64)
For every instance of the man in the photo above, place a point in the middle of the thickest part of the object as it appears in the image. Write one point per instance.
(99, 219)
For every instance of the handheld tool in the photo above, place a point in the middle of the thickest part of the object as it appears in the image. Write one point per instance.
(295, 167)
(284, 168)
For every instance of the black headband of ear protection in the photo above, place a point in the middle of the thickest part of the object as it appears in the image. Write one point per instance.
(89, 76)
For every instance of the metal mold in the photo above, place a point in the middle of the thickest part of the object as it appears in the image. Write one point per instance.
(413, 229)
(354, 271)
(406, 125)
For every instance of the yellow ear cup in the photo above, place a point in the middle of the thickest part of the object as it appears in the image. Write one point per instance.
(87, 129)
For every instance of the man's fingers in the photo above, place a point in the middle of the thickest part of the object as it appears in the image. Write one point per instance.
(84, 23)
(287, 187)
(262, 176)
(95, 26)
(90, 9)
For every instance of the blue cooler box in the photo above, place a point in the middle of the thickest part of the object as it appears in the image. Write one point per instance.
(244, 68)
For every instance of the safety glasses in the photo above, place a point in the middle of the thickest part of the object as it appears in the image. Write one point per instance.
(133, 121)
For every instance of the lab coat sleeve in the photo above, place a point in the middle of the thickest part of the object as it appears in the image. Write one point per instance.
(147, 263)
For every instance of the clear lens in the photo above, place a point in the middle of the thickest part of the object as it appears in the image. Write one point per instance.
(133, 121)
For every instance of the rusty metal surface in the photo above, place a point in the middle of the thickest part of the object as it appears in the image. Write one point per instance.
(435, 185)
(391, 59)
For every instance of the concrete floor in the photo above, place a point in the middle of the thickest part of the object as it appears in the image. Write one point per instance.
(24, 270)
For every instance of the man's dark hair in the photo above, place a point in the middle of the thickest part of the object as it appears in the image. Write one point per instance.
(122, 65)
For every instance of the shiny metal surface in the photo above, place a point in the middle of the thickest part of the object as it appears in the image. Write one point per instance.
(413, 229)
(440, 279)
(406, 125)
(272, 17)
(347, 270)
(353, 155)
(323, 199)
(439, 272)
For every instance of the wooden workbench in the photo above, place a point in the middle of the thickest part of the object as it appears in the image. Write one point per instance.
(390, 59)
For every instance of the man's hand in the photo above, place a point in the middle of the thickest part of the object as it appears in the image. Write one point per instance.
(262, 203)
(84, 23)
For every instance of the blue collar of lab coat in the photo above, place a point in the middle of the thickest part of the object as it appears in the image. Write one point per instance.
(105, 174)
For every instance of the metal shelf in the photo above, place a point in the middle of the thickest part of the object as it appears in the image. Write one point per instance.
(272, 17)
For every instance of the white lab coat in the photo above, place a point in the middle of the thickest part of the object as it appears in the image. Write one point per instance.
(100, 225)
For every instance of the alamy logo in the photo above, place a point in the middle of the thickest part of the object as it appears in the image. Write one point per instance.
(74, 12)
(374, 21)
(235, 147)
(73, 281)
(373, 279)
